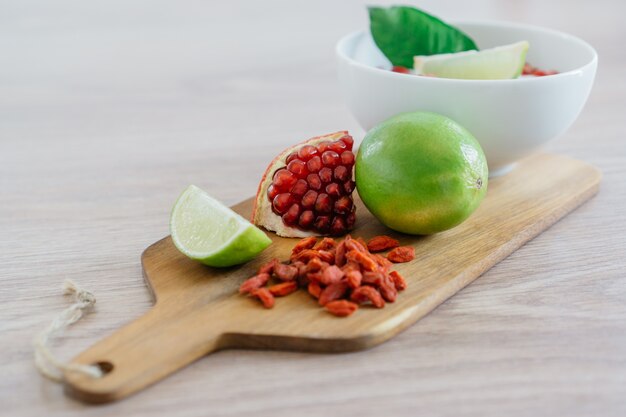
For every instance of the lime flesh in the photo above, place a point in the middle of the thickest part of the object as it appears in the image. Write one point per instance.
(421, 173)
(206, 230)
(500, 63)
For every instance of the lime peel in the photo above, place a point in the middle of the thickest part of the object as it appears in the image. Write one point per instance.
(421, 173)
(204, 229)
(499, 63)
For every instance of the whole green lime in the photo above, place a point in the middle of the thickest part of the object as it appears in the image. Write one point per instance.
(421, 173)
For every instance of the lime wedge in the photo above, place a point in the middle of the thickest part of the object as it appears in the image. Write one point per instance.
(206, 230)
(500, 63)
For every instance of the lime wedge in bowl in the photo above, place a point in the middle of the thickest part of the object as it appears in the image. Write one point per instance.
(206, 230)
(500, 63)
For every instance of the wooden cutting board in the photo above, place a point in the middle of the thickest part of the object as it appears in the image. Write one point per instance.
(197, 309)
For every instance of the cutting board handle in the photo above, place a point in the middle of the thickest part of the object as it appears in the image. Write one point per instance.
(162, 341)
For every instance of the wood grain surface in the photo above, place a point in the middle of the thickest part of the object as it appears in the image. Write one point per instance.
(181, 327)
(108, 110)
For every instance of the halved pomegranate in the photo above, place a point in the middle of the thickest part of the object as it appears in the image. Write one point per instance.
(307, 189)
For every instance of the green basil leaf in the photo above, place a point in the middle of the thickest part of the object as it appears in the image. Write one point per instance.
(401, 32)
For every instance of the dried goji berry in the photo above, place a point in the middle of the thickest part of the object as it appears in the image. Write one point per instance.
(283, 289)
(398, 280)
(354, 278)
(374, 278)
(388, 291)
(314, 276)
(253, 283)
(361, 243)
(268, 268)
(305, 255)
(265, 296)
(314, 289)
(325, 244)
(326, 256)
(354, 245)
(300, 266)
(303, 280)
(333, 292)
(366, 294)
(331, 275)
(362, 259)
(315, 265)
(306, 243)
(341, 308)
(382, 243)
(285, 272)
(335, 272)
(340, 253)
(401, 254)
(383, 263)
(351, 266)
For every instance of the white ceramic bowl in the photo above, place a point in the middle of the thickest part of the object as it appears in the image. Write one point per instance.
(510, 118)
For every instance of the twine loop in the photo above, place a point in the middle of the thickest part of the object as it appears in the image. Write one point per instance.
(48, 364)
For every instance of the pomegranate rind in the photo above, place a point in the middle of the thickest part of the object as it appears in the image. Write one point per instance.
(262, 214)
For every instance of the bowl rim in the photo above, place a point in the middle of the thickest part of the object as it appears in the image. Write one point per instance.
(340, 46)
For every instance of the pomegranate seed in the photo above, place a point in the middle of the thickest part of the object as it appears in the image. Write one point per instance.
(297, 167)
(330, 158)
(313, 191)
(348, 186)
(308, 200)
(323, 203)
(306, 219)
(314, 181)
(351, 218)
(333, 189)
(347, 158)
(291, 217)
(343, 205)
(348, 141)
(323, 146)
(338, 226)
(300, 188)
(322, 223)
(402, 70)
(291, 157)
(337, 146)
(307, 152)
(272, 191)
(326, 174)
(314, 164)
(342, 173)
(527, 69)
(281, 203)
(284, 179)
(530, 70)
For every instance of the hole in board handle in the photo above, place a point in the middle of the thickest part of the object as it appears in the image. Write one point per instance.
(105, 366)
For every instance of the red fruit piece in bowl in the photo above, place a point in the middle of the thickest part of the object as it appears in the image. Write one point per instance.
(307, 189)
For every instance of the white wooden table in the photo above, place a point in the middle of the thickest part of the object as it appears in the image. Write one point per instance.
(109, 109)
